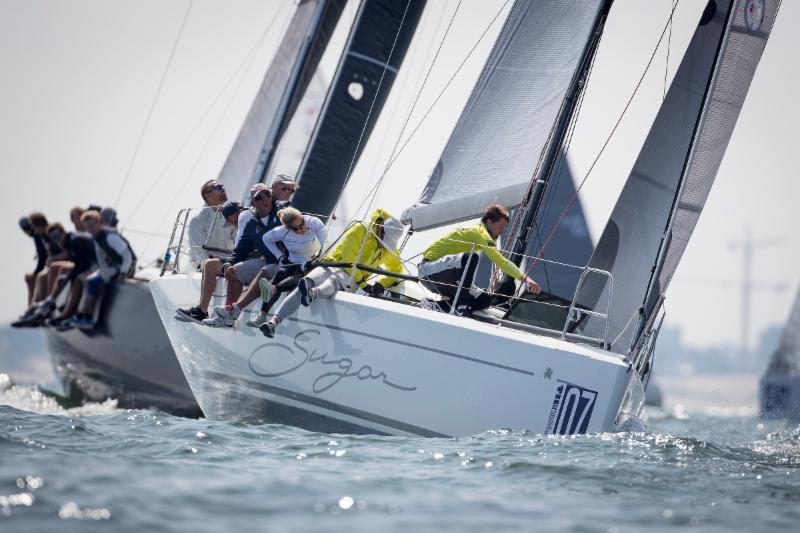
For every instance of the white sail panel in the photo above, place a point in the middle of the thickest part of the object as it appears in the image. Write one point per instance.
(496, 145)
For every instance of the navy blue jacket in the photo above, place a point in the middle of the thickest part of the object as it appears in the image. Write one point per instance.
(253, 237)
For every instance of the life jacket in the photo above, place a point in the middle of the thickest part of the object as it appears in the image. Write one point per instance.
(102, 240)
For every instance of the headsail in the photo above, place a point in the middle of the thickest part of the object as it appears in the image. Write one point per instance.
(281, 90)
(662, 199)
(498, 141)
(375, 50)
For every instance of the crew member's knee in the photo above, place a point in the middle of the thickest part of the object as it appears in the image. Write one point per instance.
(94, 284)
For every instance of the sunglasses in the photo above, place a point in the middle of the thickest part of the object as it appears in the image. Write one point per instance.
(285, 188)
(298, 227)
(261, 196)
(216, 187)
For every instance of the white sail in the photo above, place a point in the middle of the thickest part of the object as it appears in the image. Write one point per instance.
(494, 150)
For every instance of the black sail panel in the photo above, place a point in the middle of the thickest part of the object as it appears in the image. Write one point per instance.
(375, 50)
(280, 92)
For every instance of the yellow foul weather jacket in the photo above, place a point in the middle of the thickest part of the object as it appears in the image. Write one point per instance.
(462, 240)
(373, 254)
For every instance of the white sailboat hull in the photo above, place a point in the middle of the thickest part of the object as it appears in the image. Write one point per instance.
(362, 365)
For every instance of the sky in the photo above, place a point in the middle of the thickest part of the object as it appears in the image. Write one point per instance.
(80, 78)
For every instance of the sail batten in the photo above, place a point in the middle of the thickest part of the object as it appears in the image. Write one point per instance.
(499, 139)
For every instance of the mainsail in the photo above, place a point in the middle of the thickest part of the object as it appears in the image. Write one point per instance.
(665, 193)
(281, 90)
(498, 141)
(786, 359)
(375, 50)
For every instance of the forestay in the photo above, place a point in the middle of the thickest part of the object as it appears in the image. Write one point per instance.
(496, 145)
(669, 184)
(281, 90)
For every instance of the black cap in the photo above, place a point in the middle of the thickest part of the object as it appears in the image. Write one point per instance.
(231, 208)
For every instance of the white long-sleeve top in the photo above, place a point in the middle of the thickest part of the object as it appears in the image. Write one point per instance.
(301, 248)
(208, 227)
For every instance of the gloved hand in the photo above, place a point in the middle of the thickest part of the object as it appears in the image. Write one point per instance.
(374, 290)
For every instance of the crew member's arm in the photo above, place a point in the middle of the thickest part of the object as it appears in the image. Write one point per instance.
(509, 268)
(271, 239)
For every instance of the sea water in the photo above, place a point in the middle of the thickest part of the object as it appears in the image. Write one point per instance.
(98, 467)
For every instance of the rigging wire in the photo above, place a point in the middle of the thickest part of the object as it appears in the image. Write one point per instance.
(375, 189)
(247, 61)
(669, 42)
(606, 142)
(153, 104)
(372, 104)
(214, 129)
(435, 102)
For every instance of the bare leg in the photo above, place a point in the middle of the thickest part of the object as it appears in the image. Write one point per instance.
(235, 289)
(40, 286)
(29, 281)
(251, 294)
(212, 269)
(74, 298)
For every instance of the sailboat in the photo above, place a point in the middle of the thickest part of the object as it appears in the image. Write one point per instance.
(779, 390)
(357, 364)
(141, 371)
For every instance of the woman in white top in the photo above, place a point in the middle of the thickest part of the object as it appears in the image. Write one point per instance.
(302, 237)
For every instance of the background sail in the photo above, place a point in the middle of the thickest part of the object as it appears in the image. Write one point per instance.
(381, 35)
(284, 83)
(786, 359)
(685, 146)
(571, 243)
(497, 142)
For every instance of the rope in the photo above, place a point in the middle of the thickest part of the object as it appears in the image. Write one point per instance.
(605, 144)
(246, 61)
(153, 104)
(436, 100)
(202, 152)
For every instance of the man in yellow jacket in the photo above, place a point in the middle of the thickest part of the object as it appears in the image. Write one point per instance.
(445, 261)
(374, 245)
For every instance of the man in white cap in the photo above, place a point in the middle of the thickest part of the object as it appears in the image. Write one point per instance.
(372, 244)
(283, 187)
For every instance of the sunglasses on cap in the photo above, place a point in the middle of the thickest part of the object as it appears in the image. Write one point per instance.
(264, 195)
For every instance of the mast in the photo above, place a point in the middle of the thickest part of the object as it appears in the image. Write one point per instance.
(542, 179)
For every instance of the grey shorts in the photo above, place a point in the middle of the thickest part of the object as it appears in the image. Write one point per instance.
(249, 269)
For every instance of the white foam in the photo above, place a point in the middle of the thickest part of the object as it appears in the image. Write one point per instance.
(32, 399)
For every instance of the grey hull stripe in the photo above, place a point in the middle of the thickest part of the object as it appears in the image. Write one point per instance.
(417, 346)
(373, 61)
(325, 404)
